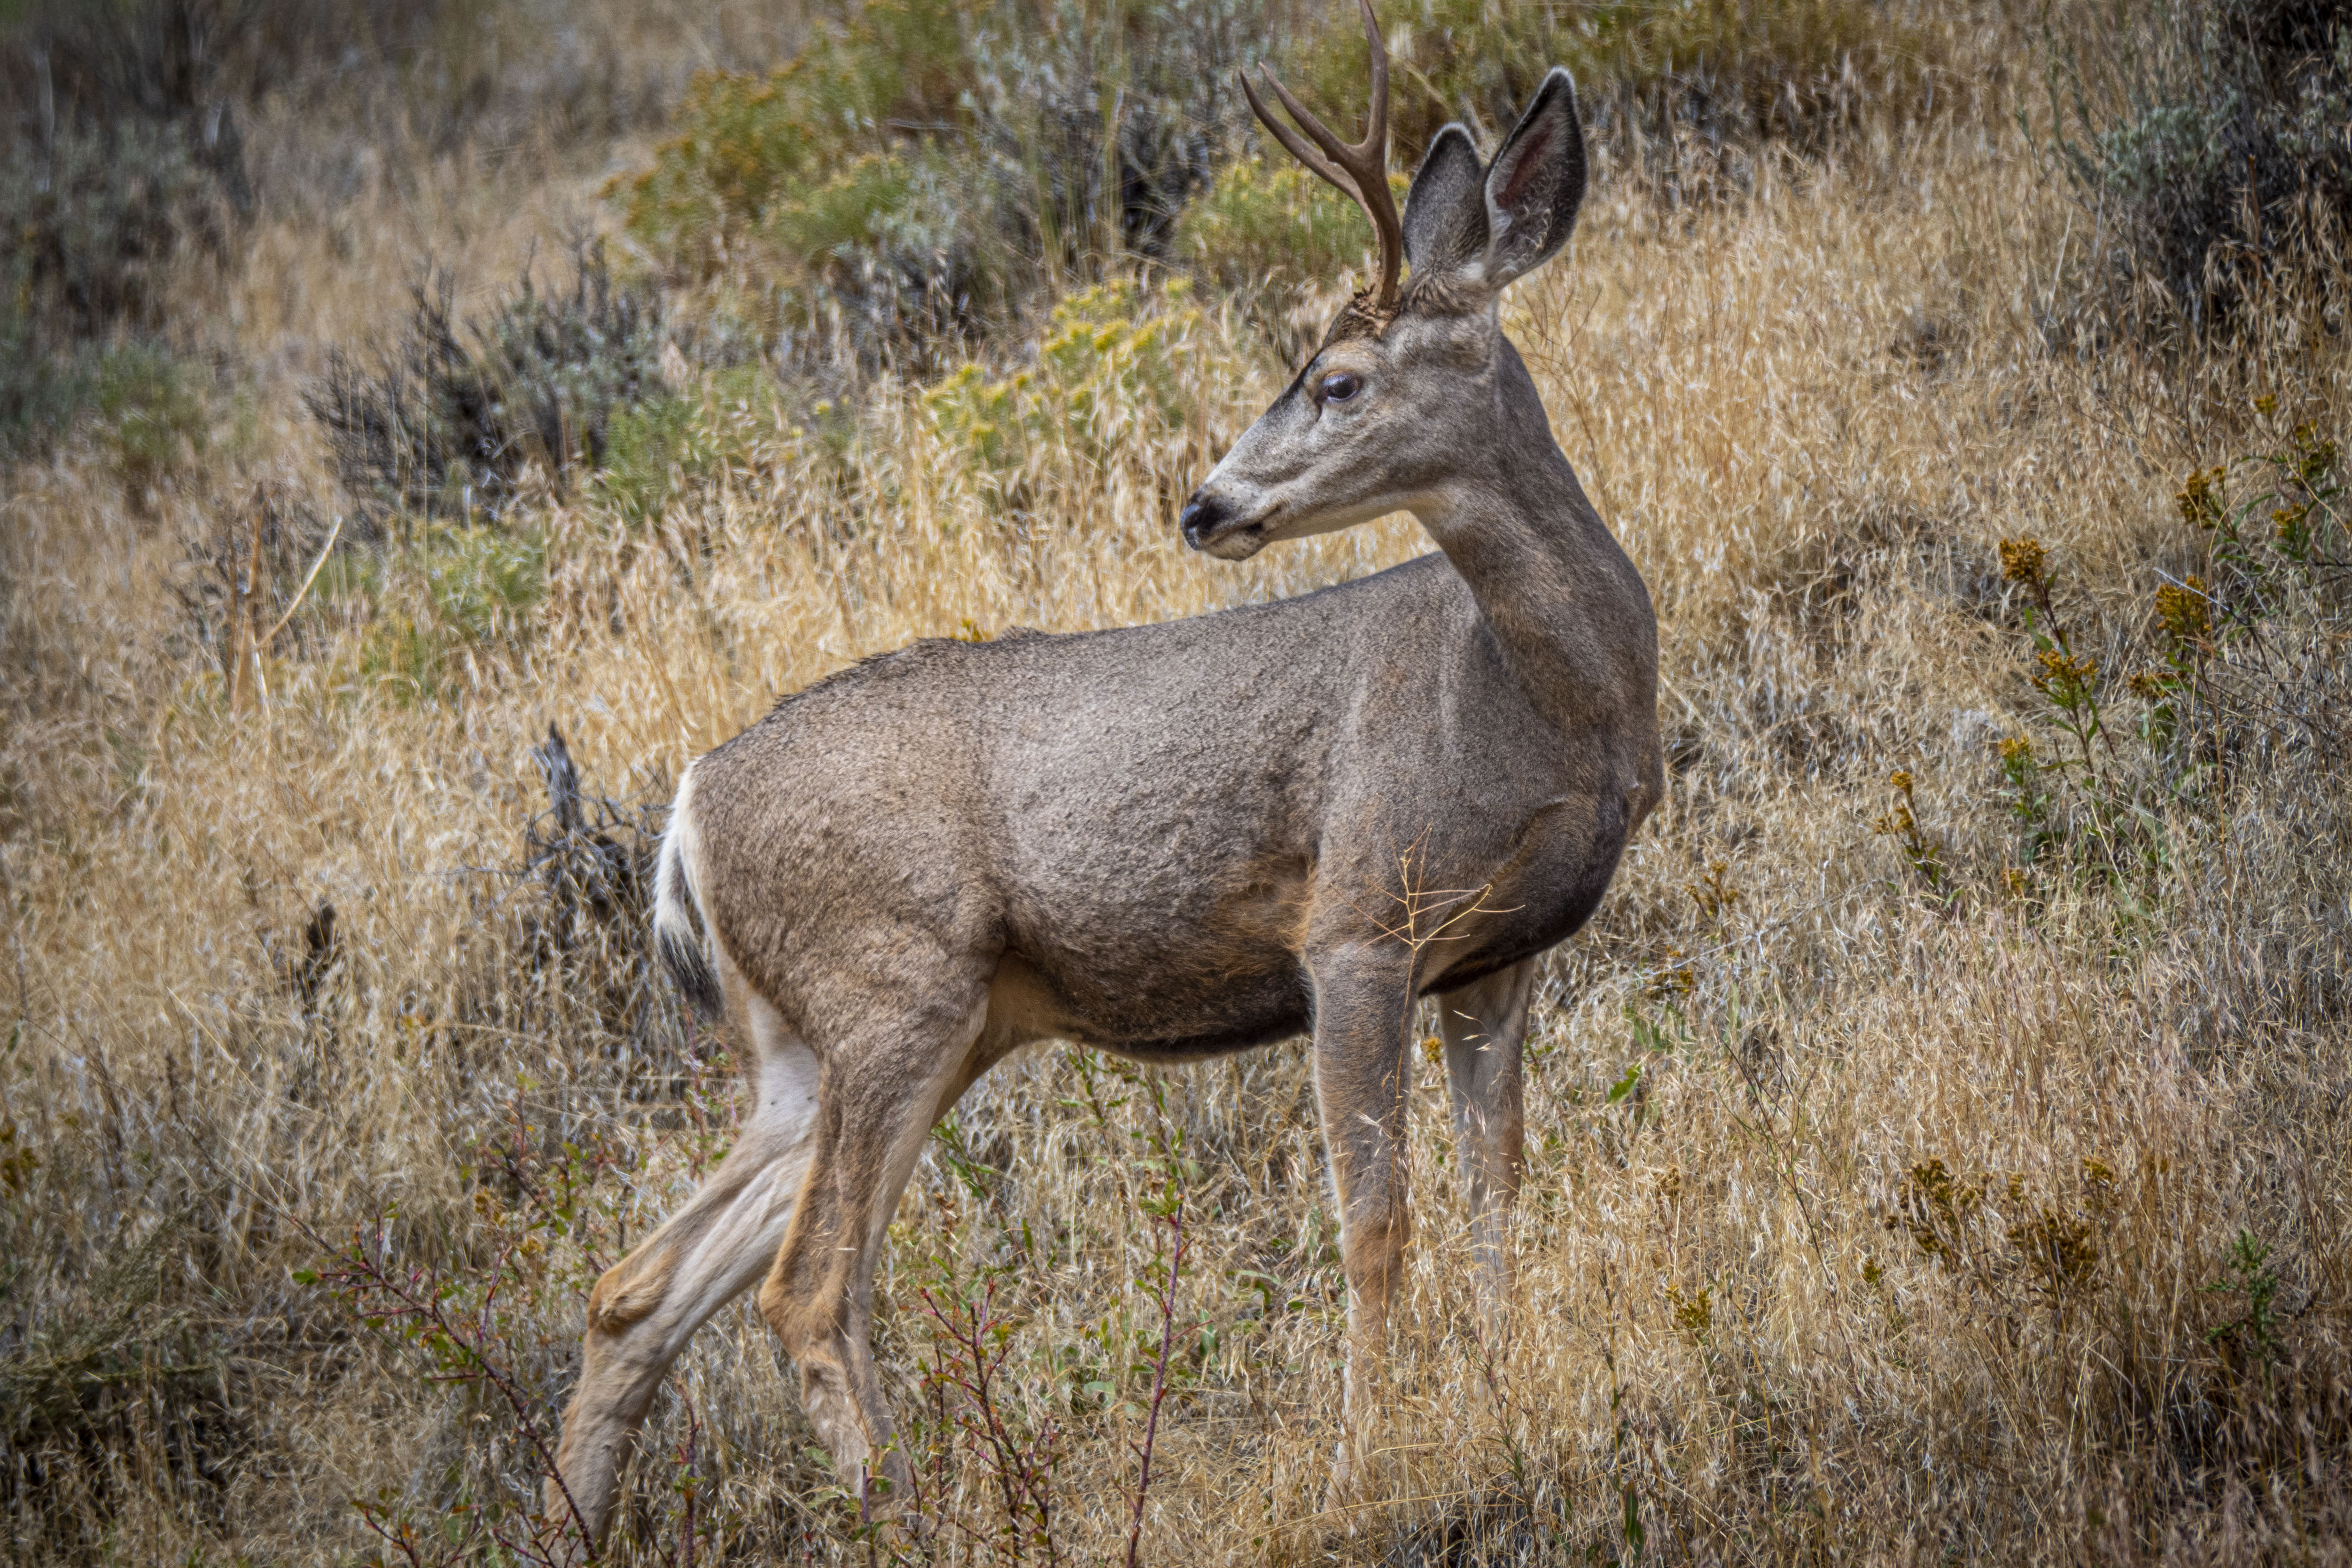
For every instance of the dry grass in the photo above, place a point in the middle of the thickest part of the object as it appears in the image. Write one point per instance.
(1753, 1320)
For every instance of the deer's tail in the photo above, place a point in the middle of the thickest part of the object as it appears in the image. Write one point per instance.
(680, 934)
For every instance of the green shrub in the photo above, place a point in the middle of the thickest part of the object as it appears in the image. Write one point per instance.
(453, 412)
(665, 444)
(937, 170)
(1104, 364)
(153, 411)
(448, 589)
(1275, 224)
(648, 445)
(803, 165)
(2207, 138)
(1795, 68)
(934, 167)
(482, 580)
(560, 366)
(747, 143)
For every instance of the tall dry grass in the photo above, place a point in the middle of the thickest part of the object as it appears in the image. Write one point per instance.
(1861, 1221)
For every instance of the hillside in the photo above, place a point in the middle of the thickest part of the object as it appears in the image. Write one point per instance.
(1938, 1139)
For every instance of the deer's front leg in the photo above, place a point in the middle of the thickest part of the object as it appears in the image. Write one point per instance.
(1485, 1024)
(1363, 1003)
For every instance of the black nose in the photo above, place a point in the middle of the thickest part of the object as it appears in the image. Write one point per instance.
(1200, 516)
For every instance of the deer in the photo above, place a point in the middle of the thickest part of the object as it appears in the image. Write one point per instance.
(1171, 841)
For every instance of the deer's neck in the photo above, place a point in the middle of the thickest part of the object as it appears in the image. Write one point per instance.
(1568, 611)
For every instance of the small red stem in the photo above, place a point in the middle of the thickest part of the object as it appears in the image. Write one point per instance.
(1158, 1384)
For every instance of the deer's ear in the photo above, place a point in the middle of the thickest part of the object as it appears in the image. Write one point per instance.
(1445, 211)
(1535, 183)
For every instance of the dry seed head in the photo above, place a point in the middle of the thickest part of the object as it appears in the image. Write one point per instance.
(2023, 560)
(1676, 980)
(1693, 1315)
(2182, 611)
(1672, 985)
(2064, 677)
(1712, 892)
(1936, 1184)
(1935, 1207)
(2199, 497)
(2058, 1250)
(2318, 456)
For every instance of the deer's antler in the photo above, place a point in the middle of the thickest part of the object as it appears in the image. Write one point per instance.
(1361, 170)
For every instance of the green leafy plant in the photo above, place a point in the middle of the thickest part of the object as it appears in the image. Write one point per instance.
(2247, 1275)
(2271, 530)
(1923, 855)
(2205, 137)
(2109, 821)
(154, 413)
(2286, 528)
(452, 412)
(1264, 225)
(1737, 68)
(430, 599)
(1105, 366)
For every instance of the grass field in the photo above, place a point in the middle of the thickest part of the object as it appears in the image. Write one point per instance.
(1937, 1141)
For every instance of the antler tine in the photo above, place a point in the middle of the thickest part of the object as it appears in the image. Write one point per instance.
(1291, 139)
(1362, 168)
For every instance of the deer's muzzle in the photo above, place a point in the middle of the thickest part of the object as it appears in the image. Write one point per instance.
(1218, 525)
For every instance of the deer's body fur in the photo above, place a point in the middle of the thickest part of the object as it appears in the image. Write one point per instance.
(1171, 841)
(1147, 827)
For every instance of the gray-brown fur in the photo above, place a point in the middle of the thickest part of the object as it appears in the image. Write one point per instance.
(1169, 841)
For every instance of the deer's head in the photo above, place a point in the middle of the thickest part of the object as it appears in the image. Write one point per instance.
(1406, 392)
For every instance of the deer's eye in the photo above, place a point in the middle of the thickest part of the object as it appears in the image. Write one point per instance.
(1339, 386)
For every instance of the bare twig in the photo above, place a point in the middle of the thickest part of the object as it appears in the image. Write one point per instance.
(425, 1312)
(303, 592)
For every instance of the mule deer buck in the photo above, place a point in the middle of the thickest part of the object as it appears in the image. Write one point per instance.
(1173, 841)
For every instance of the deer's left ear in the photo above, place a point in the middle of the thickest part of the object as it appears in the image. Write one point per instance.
(1536, 184)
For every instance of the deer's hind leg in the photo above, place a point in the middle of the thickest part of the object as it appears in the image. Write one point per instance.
(645, 1308)
(886, 1083)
